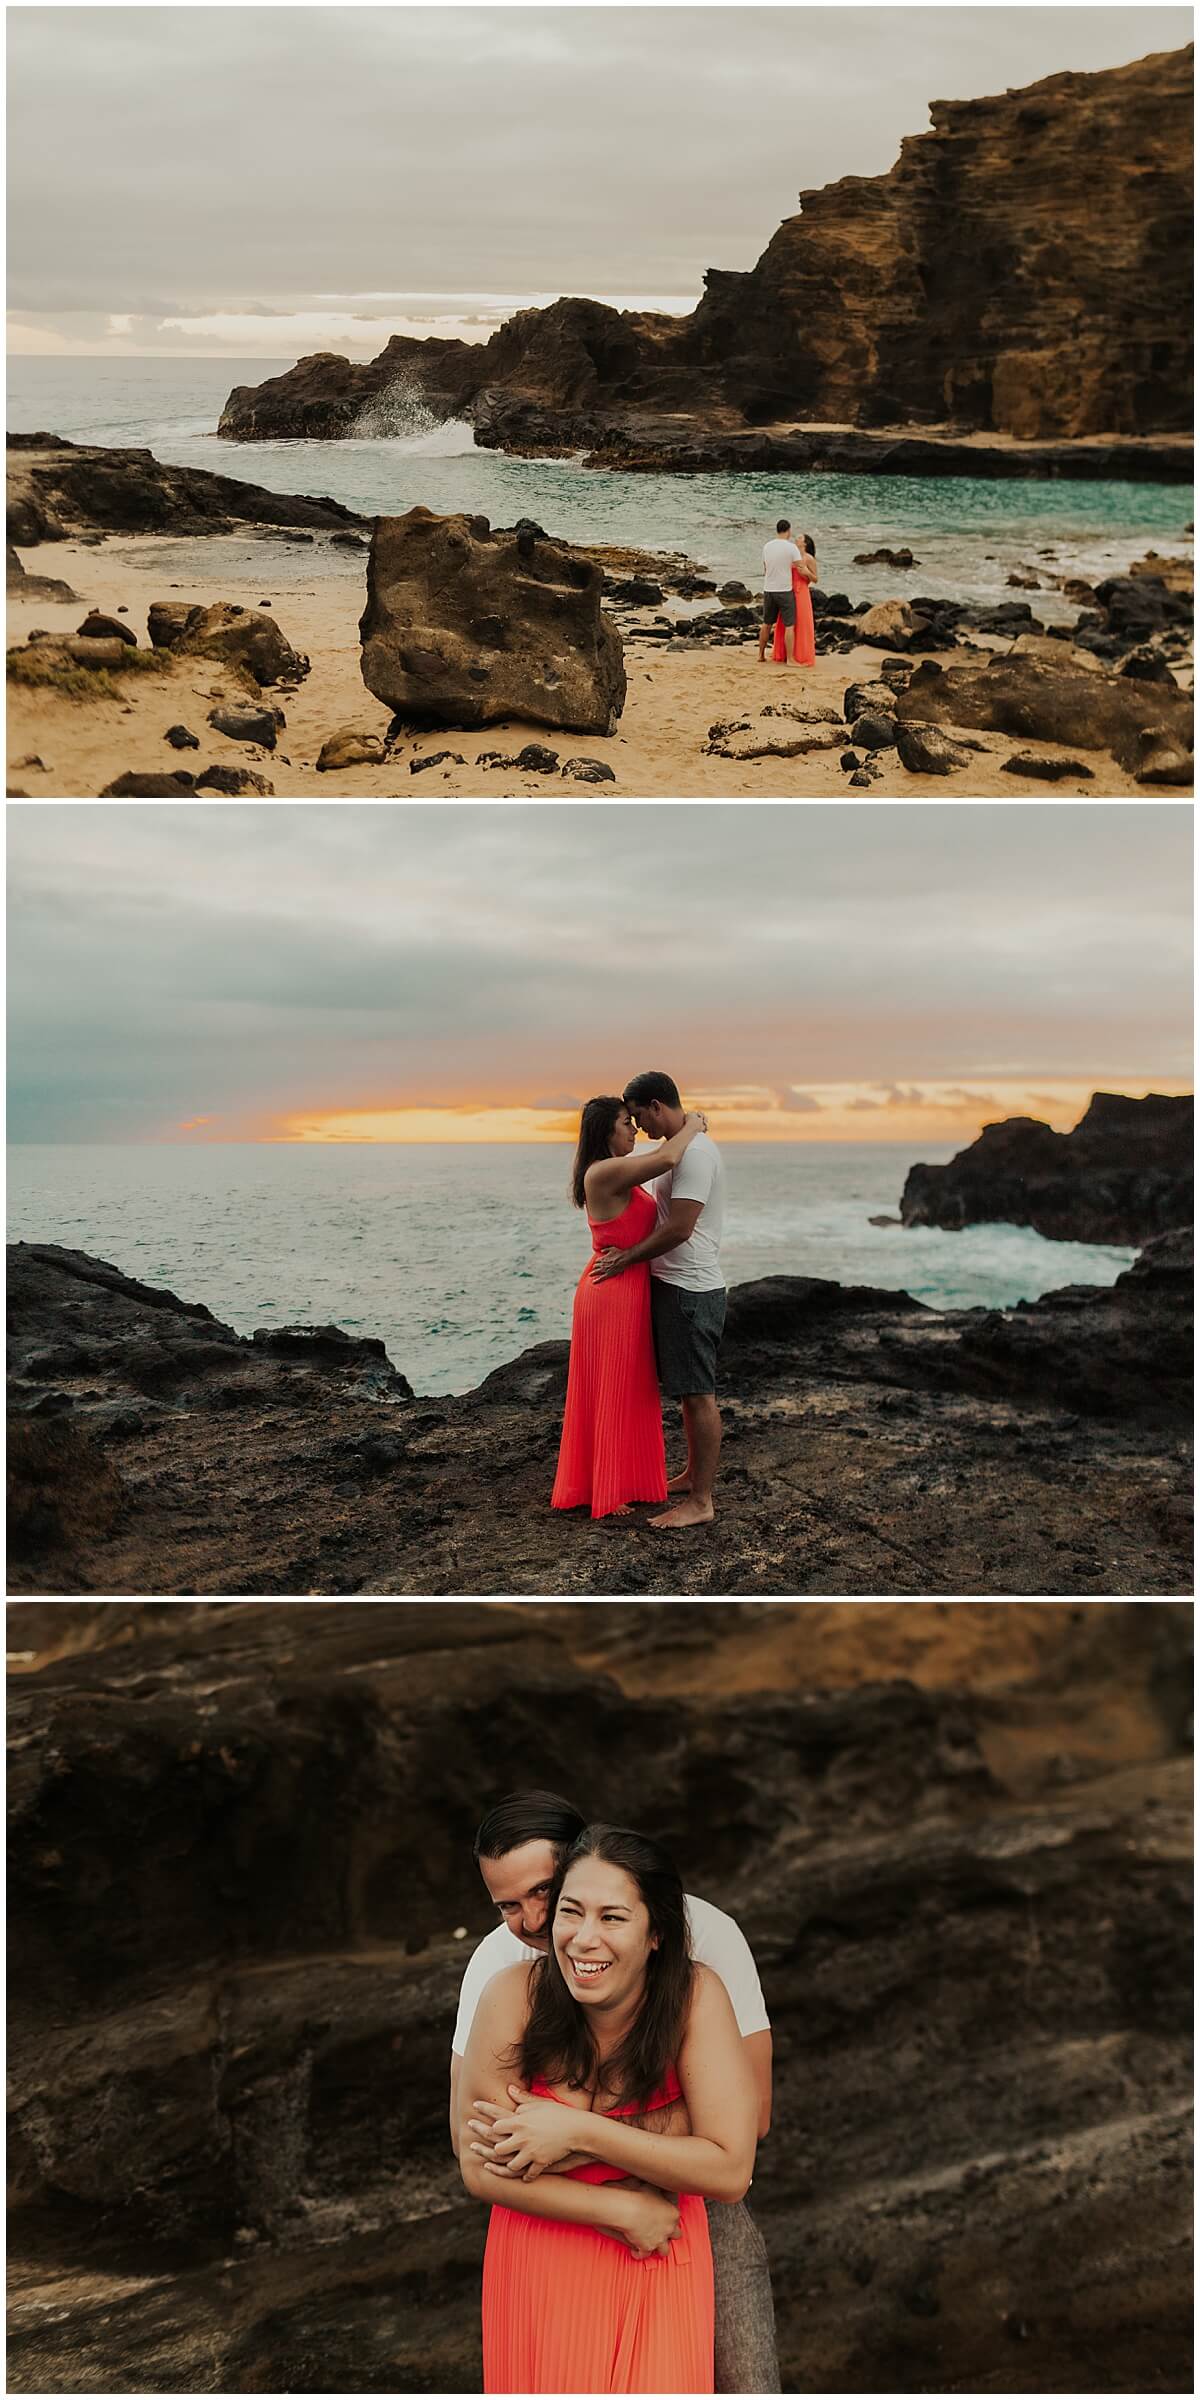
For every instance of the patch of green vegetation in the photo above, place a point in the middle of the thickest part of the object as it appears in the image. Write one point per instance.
(45, 668)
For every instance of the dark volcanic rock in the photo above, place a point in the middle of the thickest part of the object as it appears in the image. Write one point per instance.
(58, 488)
(259, 725)
(1047, 703)
(240, 1847)
(931, 296)
(1123, 1174)
(229, 632)
(1046, 770)
(469, 629)
(133, 786)
(866, 1448)
(97, 627)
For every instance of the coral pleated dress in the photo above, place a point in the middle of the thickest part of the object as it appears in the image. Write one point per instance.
(806, 631)
(566, 2309)
(612, 1437)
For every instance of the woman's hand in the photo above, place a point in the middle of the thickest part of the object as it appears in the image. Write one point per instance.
(525, 2140)
(695, 1122)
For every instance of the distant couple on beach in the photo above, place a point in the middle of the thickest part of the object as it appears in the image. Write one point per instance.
(610, 2079)
(650, 1308)
(789, 568)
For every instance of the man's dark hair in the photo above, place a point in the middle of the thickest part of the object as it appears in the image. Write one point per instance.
(653, 1085)
(595, 1133)
(528, 1817)
(784, 525)
(558, 2043)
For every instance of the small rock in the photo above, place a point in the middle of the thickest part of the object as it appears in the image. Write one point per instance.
(925, 750)
(886, 558)
(349, 747)
(589, 770)
(232, 780)
(1162, 758)
(861, 781)
(874, 730)
(1147, 666)
(32, 761)
(1045, 770)
(96, 627)
(149, 787)
(890, 626)
(535, 759)
(347, 541)
(859, 697)
(436, 758)
(247, 724)
(180, 739)
(734, 591)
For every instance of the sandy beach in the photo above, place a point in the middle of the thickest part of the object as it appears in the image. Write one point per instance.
(64, 748)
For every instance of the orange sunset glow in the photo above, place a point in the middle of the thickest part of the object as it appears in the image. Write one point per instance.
(930, 1113)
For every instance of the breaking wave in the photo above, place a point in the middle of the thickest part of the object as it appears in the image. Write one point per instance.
(401, 414)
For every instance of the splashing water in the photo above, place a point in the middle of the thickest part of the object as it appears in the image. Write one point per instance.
(397, 414)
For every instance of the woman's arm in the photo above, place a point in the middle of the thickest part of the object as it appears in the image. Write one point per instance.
(646, 2221)
(609, 1175)
(717, 2158)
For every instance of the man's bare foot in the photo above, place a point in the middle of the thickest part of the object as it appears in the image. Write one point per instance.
(681, 1482)
(687, 1512)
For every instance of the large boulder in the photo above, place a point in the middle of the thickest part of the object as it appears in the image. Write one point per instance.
(464, 626)
(1123, 1174)
(1045, 703)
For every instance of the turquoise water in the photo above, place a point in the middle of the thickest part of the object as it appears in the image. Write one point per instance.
(459, 1257)
(968, 534)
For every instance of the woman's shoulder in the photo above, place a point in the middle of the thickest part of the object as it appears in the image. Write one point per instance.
(506, 1993)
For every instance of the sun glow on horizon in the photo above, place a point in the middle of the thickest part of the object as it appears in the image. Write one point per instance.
(880, 1112)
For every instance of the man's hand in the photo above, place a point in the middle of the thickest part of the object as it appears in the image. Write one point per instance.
(650, 2220)
(608, 1262)
(524, 2141)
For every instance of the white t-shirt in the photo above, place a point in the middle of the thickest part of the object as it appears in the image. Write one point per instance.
(700, 1175)
(779, 557)
(716, 1941)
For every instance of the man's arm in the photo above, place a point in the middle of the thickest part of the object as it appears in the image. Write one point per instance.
(678, 1226)
(757, 2047)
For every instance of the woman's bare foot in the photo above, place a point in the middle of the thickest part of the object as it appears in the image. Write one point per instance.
(687, 1512)
(681, 1482)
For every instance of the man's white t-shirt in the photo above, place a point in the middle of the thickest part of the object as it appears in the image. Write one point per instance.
(779, 557)
(700, 1175)
(716, 1941)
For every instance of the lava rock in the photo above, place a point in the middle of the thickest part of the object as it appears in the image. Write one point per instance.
(1046, 770)
(260, 725)
(926, 751)
(349, 747)
(436, 758)
(589, 770)
(130, 786)
(96, 626)
(232, 780)
(180, 739)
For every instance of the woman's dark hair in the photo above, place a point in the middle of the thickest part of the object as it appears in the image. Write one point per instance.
(558, 2043)
(809, 544)
(528, 1817)
(595, 1133)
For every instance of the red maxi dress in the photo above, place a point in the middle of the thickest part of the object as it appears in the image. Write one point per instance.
(567, 2309)
(612, 1437)
(806, 632)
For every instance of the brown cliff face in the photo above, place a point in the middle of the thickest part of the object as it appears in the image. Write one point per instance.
(1024, 269)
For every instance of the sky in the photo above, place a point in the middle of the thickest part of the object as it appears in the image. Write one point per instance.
(265, 182)
(347, 972)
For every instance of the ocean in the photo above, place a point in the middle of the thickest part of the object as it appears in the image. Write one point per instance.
(969, 534)
(460, 1256)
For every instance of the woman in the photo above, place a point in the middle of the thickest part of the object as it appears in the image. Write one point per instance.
(635, 2103)
(611, 1452)
(804, 639)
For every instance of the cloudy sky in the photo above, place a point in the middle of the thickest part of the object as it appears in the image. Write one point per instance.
(261, 182)
(425, 973)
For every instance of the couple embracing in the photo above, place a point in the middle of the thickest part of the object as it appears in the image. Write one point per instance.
(610, 2080)
(650, 1308)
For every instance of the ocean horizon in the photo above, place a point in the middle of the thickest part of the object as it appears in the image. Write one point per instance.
(458, 1256)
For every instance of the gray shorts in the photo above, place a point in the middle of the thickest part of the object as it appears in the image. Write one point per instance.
(745, 2312)
(687, 1336)
(779, 604)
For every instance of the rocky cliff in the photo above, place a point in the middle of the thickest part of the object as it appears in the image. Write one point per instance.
(871, 1444)
(56, 488)
(1123, 1174)
(1023, 270)
(241, 1896)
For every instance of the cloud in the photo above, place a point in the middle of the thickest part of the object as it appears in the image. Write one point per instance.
(799, 1103)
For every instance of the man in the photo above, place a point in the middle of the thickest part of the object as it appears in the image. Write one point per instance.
(687, 1289)
(779, 600)
(519, 1849)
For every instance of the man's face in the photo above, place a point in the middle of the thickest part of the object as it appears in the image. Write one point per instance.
(649, 1120)
(519, 1884)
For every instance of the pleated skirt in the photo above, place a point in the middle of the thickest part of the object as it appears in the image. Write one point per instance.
(612, 1437)
(568, 2310)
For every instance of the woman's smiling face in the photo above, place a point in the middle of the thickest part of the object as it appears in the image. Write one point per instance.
(602, 1936)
